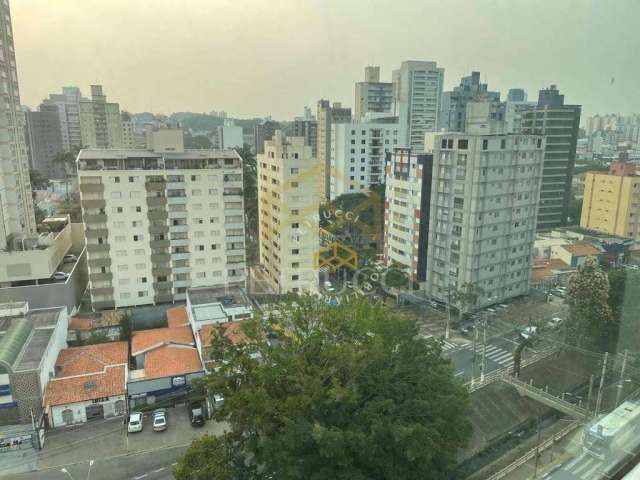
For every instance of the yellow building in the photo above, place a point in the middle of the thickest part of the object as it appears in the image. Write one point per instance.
(611, 201)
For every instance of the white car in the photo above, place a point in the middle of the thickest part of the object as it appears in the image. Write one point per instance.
(60, 276)
(159, 420)
(554, 323)
(135, 422)
(69, 258)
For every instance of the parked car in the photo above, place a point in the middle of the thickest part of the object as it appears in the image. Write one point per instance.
(196, 414)
(60, 276)
(135, 422)
(159, 420)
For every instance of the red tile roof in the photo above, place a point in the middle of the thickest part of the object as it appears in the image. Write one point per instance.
(177, 316)
(581, 249)
(110, 382)
(90, 358)
(232, 330)
(145, 339)
(547, 267)
(77, 323)
(171, 360)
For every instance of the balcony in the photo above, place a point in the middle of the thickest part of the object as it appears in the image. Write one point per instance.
(163, 285)
(102, 291)
(156, 201)
(157, 215)
(101, 277)
(97, 248)
(104, 304)
(159, 243)
(92, 187)
(155, 185)
(161, 270)
(98, 263)
(163, 298)
(180, 270)
(179, 242)
(182, 283)
(96, 232)
(178, 256)
(158, 229)
(178, 228)
(158, 258)
(95, 218)
(89, 204)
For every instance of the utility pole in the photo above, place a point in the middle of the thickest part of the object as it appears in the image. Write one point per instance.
(604, 371)
(475, 341)
(448, 326)
(589, 395)
(483, 365)
(535, 468)
(621, 381)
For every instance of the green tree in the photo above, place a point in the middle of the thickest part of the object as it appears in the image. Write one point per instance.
(126, 329)
(197, 141)
(71, 207)
(344, 392)
(211, 457)
(590, 324)
(465, 298)
(38, 180)
(66, 161)
(250, 193)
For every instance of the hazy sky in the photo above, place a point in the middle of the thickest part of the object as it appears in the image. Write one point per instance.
(261, 57)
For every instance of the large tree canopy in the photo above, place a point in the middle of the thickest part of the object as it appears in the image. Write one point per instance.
(337, 392)
(590, 324)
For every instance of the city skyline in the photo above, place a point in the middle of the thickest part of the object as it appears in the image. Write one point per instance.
(209, 59)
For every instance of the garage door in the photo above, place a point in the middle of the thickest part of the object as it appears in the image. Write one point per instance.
(95, 411)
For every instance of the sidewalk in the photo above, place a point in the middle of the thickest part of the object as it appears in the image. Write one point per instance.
(106, 438)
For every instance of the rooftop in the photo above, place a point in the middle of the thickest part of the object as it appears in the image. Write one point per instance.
(110, 382)
(170, 360)
(177, 317)
(547, 267)
(146, 339)
(108, 318)
(228, 296)
(232, 330)
(581, 249)
(112, 153)
(91, 358)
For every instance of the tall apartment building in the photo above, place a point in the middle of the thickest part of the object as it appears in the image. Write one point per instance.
(45, 140)
(406, 212)
(307, 128)
(264, 132)
(358, 152)
(128, 131)
(68, 105)
(16, 204)
(484, 202)
(517, 95)
(328, 115)
(611, 201)
(454, 103)
(418, 96)
(372, 95)
(229, 135)
(160, 221)
(100, 121)
(288, 213)
(559, 123)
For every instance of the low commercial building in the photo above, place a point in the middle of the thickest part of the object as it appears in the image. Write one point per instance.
(166, 362)
(575, 254)
(90, 383)
(30, 341)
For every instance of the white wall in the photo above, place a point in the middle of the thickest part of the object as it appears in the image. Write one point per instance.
(80, 413)
(57, 342)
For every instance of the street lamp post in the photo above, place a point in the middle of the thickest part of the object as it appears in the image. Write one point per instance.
(483, 365)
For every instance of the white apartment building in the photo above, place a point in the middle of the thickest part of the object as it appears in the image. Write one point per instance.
(358, 152)
(68, 104)
(229, 135)
(16, 204)
(484, 204)
(406, 212)
(288, 202)
(372, 95)
(418, 94)
(160, 221)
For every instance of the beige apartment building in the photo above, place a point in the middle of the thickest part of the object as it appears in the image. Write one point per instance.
(288, 203)
(327, 116)
(160, 221)
(611, 202)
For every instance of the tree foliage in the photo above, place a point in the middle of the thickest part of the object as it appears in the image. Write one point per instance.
(38, 180)
(71, 207)
(465, 298)
(196, 141)
(66, 162)
(344, 392)
(590, 324)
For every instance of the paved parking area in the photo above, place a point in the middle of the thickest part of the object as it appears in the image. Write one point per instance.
(109, 438)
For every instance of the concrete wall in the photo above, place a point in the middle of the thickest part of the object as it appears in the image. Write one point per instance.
(80, 412)
(57, 342)
(68, 293)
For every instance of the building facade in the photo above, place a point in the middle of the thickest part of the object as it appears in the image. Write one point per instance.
(406, 212)
(610, 203)
(372, 95)
(288, 214)
(100, 121)
(327, 115)
(358, 152)
(264, 132)
(454, 103)
(68, 105)
(45, 140)
(559, 123)
(16, 204)
(484, 202)
(158, 222)
(128, 131)
(307, 128)
(418, 96)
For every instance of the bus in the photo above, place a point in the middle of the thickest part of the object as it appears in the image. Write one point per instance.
(609, 434)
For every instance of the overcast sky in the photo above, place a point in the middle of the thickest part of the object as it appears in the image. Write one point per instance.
(273, 57)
